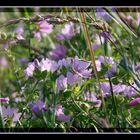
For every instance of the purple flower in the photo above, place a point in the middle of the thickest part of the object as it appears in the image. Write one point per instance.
(37, 35)
(48, 65)
(101, 13)
(8, 112)
(4, 100)
(67, 32)
(73, 78)
(105, 88)
(61, 83)
(89, 96)
(80, 68)
(19, 99)
(64, 62)
(38, 107)
(36, 63)
(138, 18)
(117, 89)
(129, 92)
(19, 30)
(137, 67)
(6, 45)
(60, 116)
(101, 58)
(112, 71)
(98, 65)
(3, 63)
(135, 102)
(43, 27)
(23, 61)
(109, 61)
(29, 70)
(95, 47)
(60, 37)
(19, 33)
(59, 53)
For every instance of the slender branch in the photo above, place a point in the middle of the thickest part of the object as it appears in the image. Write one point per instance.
(38, 18)
(54, 19)
(88, 41)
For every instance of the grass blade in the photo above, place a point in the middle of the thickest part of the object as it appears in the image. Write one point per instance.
(115, 16)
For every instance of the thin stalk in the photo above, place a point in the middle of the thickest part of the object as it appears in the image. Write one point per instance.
(1, 118)
(54, 105)
(75, 50)
(113, 100)
(29, 27)
(33, 89)
(88, 41)
(54, 102)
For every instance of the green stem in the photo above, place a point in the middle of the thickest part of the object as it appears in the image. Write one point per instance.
(34, 86)
(83, 111)
(113, 101)
(1, 118)
(75, 50)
